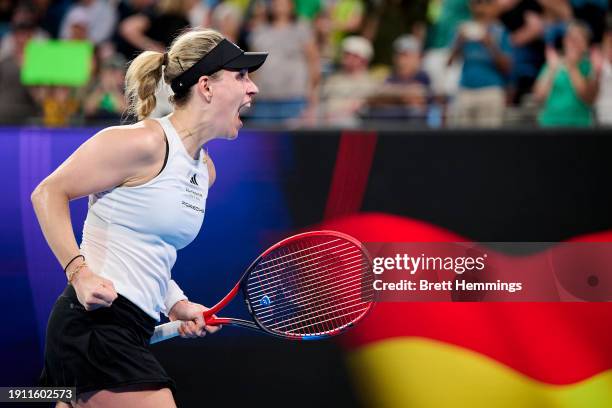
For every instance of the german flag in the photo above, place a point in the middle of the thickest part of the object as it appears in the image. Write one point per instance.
(476, 354)
(482, 187)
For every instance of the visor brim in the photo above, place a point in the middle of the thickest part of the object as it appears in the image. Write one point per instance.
(250, 61)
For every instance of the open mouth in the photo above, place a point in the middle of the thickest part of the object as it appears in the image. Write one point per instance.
(241, 110)
(244, 108)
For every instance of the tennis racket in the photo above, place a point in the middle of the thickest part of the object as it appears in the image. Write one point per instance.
(307, 287)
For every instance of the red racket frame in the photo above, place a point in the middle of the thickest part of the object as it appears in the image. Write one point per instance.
(255, 325)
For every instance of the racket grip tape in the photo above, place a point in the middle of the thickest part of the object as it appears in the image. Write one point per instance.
(165, 331)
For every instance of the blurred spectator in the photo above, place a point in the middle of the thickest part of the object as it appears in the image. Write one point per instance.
(308, 9)
(604, 99)
(25, 17)
(60, 105)
(407, 91)
(557, 15)
(227, 19)
(154, 29)
(17, 104)
(305, 39)
(322, 27)
(125, 9)
(346, 18)
(524, 20)
(199, 13)
(243, 5)
(593, 14)
(6, 11)
(106, 99)
(255, 15)
(388, 19)
(485, 47)
(288, 80)
(344, 93)
(78, 26)
(446, 16)
(567, 84)
(96, 17)
(50, 13)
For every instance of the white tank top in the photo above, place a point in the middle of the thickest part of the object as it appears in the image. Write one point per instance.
(131, 234)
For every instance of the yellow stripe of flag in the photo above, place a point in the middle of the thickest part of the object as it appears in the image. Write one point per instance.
(423, 373)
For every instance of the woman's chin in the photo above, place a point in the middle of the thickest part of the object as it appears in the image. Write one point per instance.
(233, 133)
(237, 126)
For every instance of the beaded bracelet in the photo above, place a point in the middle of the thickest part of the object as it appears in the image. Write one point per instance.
(72, 260)
(72, 274)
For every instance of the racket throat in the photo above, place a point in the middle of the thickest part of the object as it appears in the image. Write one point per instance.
(222, 303)
(216, 321)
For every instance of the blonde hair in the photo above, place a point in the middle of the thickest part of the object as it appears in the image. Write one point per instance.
(145, 70)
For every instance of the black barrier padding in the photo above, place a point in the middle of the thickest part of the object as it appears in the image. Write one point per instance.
(508, 185)
(256, 371)
(307, 184)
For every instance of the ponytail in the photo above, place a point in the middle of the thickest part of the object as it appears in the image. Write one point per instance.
(141, 81)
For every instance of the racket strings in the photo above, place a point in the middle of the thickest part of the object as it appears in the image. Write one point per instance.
(314, 283)
(314, 294)
(320, 268)
(269, 284)
(351, 302)
(301, 318)
(273, 269)
(349, 319)
(349, 278)
(292, 255)
(311, 287)
(307, 263)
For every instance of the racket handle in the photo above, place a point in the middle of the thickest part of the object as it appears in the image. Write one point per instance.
(166, 331)
(216, 321)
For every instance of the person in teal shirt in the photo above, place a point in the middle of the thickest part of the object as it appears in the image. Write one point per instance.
(568, 84)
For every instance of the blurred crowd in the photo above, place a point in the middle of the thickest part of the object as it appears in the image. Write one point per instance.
(430, 63)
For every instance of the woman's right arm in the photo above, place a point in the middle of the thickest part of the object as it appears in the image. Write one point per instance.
(112, 157)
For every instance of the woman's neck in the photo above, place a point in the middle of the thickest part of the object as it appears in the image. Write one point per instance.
(193, 128)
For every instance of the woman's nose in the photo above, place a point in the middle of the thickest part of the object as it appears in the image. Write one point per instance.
(252, 89)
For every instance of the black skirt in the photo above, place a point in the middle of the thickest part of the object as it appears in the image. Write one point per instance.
(100, 349)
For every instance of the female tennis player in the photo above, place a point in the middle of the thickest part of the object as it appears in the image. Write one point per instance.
(147, 185)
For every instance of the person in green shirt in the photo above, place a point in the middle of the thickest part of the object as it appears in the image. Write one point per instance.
(105, 99)
(445, 17)
(567, 85)
(308, 9)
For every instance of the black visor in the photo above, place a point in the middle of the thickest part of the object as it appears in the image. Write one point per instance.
(225, 55)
